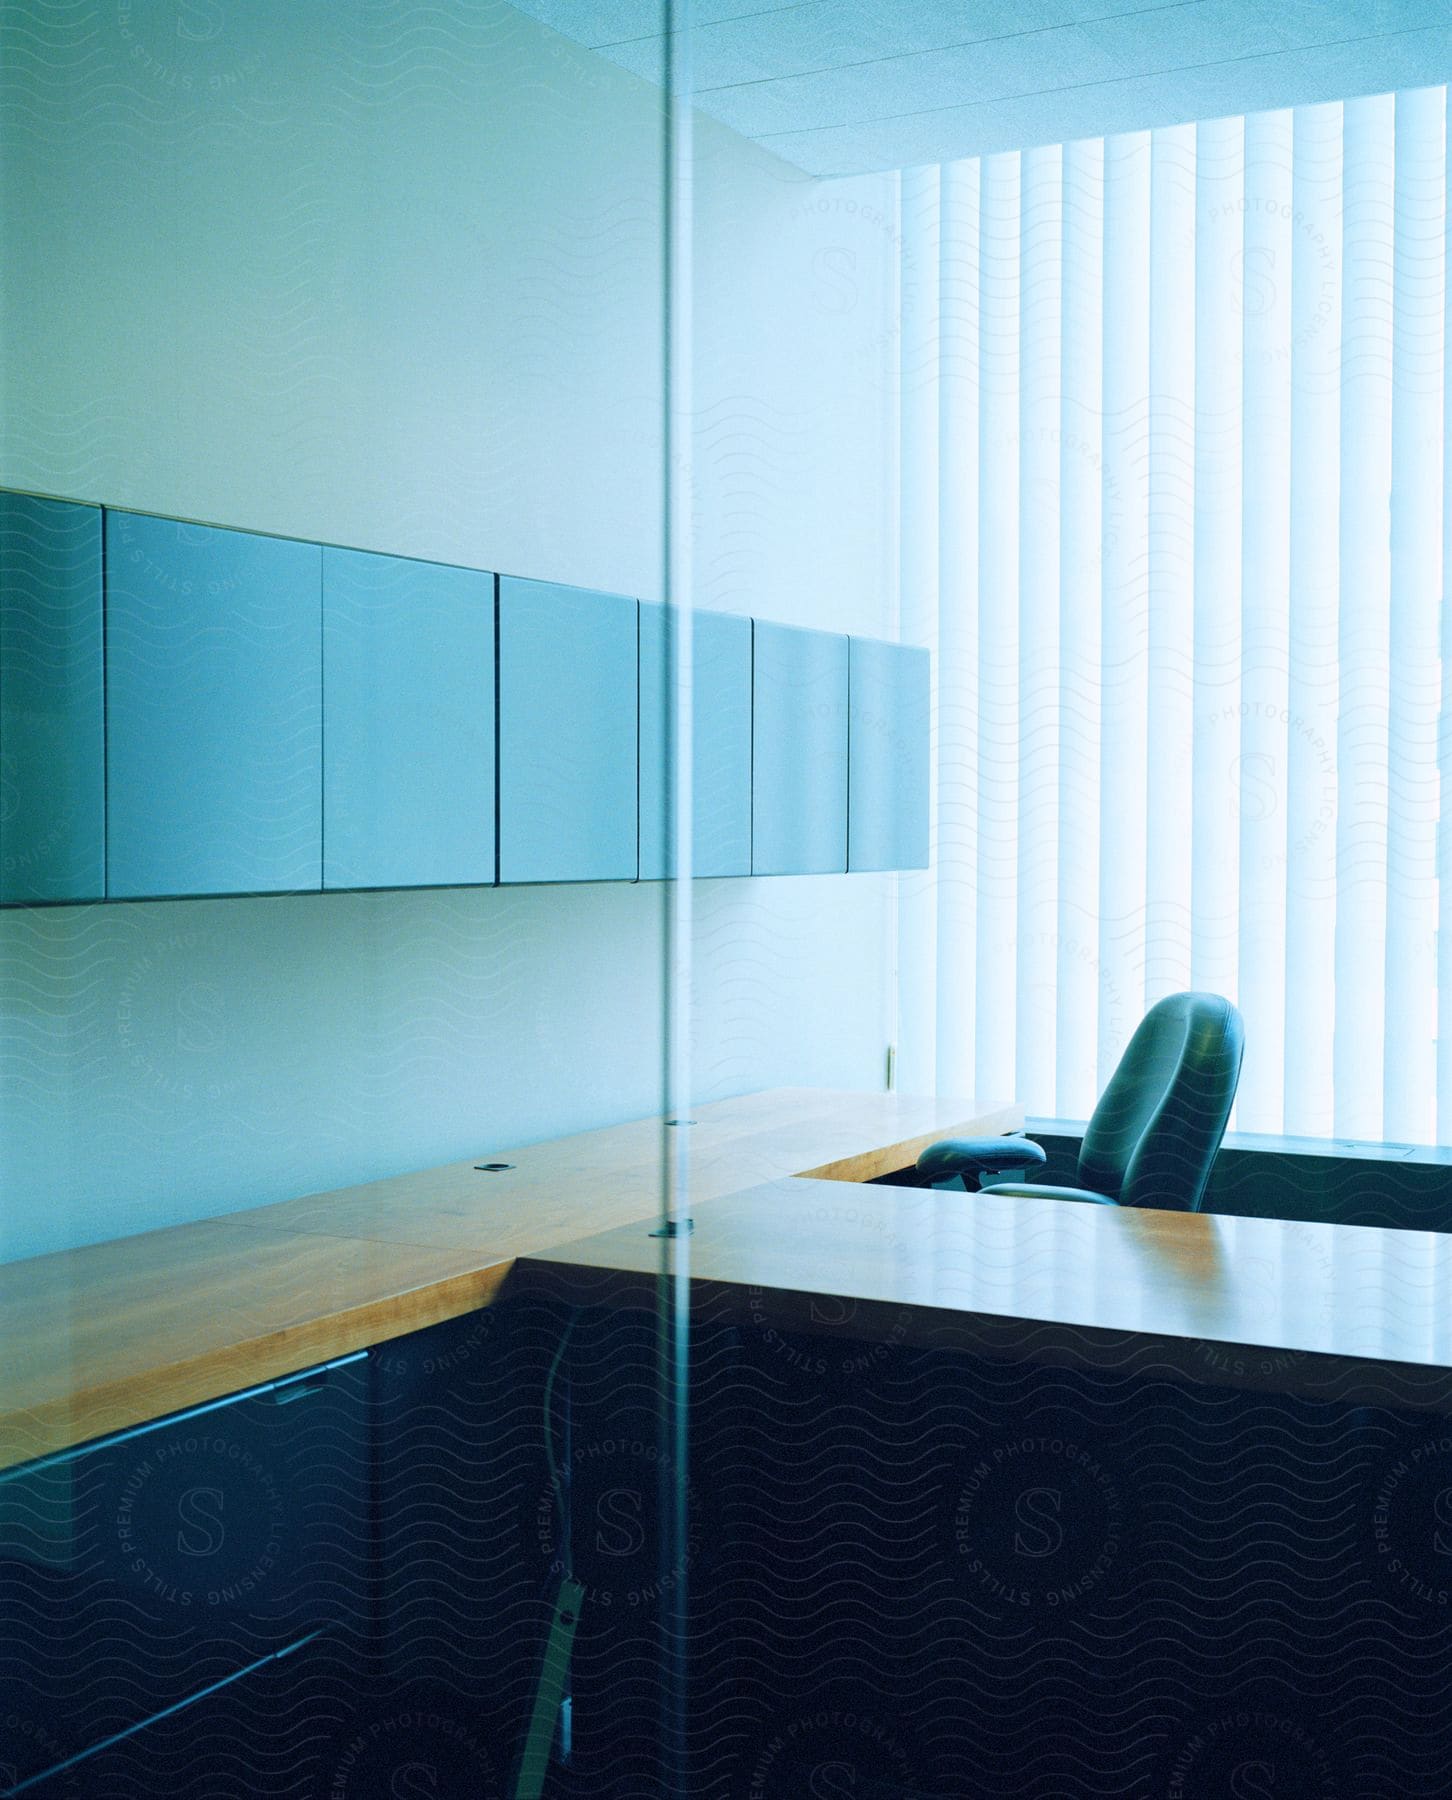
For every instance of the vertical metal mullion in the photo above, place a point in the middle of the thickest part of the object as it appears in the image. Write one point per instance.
(674, 1285)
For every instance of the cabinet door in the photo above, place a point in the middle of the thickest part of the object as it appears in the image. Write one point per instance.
(139, 1571)
(720, 746)
(799, 763)
(214, 714)
(52, 702)
(887, 825)
(568, 721)
(408, 722)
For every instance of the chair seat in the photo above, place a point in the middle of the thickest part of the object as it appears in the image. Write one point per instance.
(1041, 1190)
(971, 1156)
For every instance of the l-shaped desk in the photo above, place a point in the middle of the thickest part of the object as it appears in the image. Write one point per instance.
(102, 1338)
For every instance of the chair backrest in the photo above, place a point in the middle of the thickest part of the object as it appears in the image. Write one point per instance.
(1158, 1125)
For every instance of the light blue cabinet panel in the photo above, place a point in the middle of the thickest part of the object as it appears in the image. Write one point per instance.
(214, 710)
(720, 745)
(567, 733)
(408, 722)
(887, 826)
(52, 702)
(799, 762)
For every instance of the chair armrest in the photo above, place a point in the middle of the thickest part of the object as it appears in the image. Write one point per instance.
(973, 1156)
(1041, 1190)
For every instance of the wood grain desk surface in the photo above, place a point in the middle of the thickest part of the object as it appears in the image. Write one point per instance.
(97, 1339)
(1339, 1311)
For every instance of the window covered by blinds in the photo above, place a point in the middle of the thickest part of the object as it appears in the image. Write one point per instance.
(1174, 424)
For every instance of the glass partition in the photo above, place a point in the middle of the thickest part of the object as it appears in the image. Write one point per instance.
(336, 349)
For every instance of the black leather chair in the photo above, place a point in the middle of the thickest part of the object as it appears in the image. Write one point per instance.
(1158, 1125)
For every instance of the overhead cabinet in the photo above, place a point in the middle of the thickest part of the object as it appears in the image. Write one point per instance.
(887, 824)
(799, 735)
(214, 710)
(52, 701)
(720, 745)
(408, 722)
(188, 710)
(568, 718)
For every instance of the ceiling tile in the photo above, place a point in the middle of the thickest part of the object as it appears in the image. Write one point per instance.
(1185, 36)
(1308, 22)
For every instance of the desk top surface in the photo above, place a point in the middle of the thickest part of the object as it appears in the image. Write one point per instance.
(1316, 1308)
(96, 1339)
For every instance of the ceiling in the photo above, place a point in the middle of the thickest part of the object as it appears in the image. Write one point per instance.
(842, 86)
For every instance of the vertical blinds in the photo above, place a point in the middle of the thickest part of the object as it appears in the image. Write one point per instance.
(1174, 425)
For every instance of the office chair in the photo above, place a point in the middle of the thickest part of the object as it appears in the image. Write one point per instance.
(1158, 1125)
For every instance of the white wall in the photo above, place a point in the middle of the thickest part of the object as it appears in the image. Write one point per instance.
(391, 277)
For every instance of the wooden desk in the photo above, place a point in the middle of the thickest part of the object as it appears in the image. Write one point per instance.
(1341, 1311)
(94, 1340)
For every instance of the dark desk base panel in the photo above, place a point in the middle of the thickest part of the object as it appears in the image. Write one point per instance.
(910, 1575)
